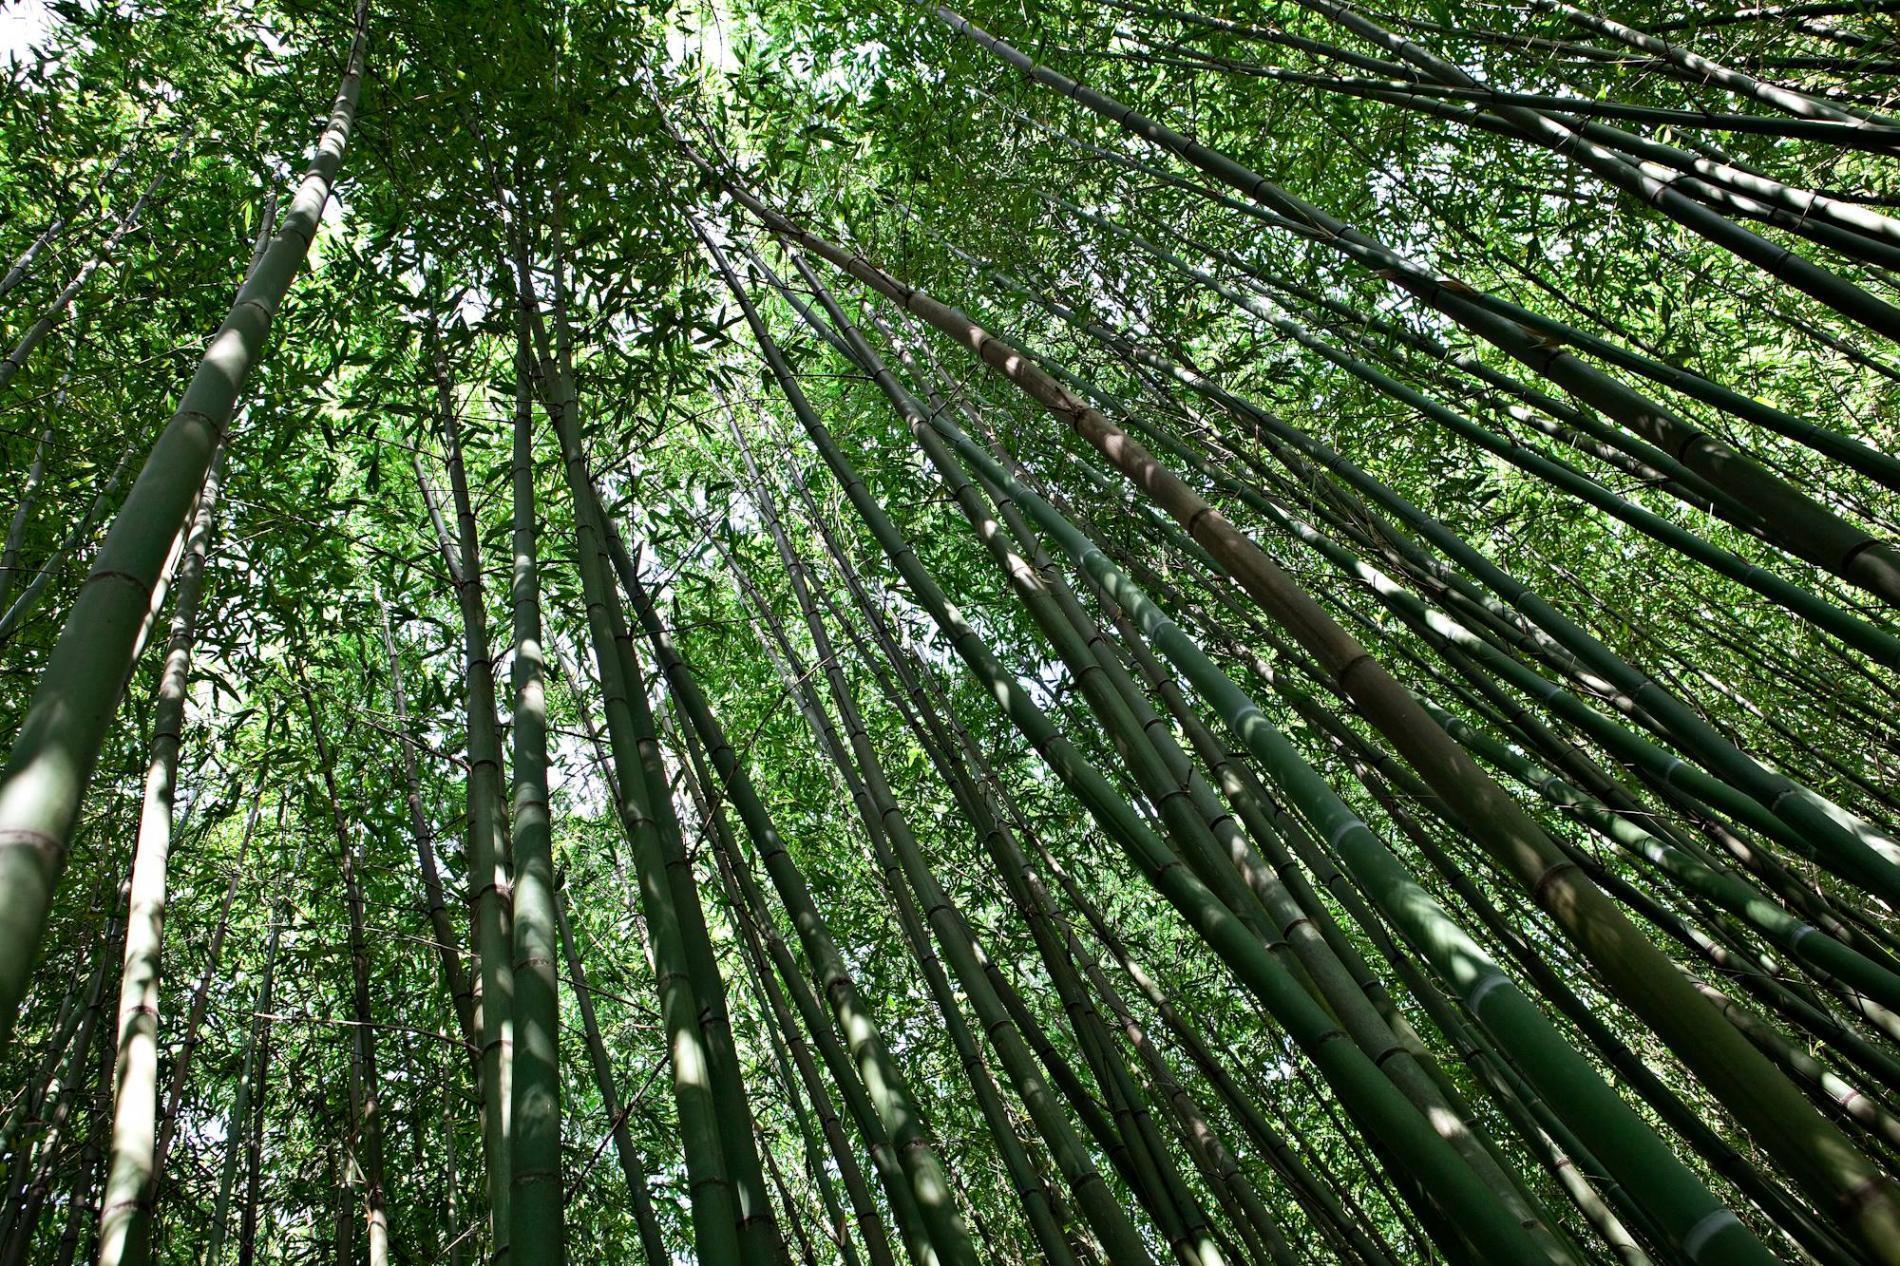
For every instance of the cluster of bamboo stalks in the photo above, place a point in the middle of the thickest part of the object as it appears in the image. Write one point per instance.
(1206, 572)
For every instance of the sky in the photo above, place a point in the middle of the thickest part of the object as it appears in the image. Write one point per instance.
(21, 23)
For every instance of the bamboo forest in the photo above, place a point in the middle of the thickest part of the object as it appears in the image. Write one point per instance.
(865, 633)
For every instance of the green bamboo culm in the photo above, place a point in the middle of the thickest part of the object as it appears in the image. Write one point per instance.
(1826, 954)
(536, 1233)
(797, 989)
(65, 724)
(1764, 798)
(757, 1220)
(899, 854)
(754, 1217)
(1878, 643)
(1790, 517)
(652, 1246)
(125, 1214)
(1700, 1215)
(1208, 837)
(715, 1220)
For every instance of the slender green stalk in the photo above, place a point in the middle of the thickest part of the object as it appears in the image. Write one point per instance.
(239, 1125)
(1821, 1159)
(366, 1088)
(455, 977)
(1768, 798)
(1618, 402)
(652, 1246)
(1229, 857)
(1800, 105)
(1821, 951)
(903, 860)
(183, 1061)
(125, 1214)
(16, 1238)
(896, 1106)
(1877, 642)
(716, 1220)
(537, 1231)
(845, 1078)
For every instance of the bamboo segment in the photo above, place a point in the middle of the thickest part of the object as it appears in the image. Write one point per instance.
(1814, 1150)
(537, 1231)
(125, 1226)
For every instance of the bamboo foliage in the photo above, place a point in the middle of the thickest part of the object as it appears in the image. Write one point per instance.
(1242, 637)
(54, 754)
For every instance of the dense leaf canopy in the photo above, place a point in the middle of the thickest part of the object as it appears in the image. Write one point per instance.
(1085, 632)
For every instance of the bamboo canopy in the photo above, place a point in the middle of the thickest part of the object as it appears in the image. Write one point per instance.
(1093, 634)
